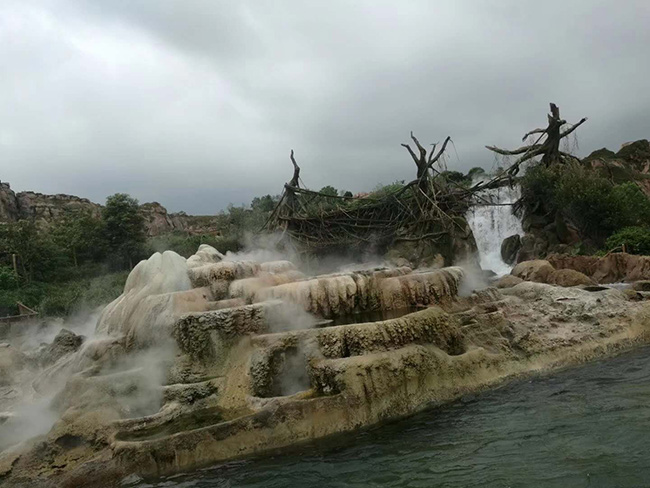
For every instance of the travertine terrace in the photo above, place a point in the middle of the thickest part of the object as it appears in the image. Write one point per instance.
(209, 359)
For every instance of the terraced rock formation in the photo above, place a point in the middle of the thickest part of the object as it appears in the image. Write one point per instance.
(205, 360)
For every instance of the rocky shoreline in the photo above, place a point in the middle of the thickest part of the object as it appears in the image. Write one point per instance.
(205, 360)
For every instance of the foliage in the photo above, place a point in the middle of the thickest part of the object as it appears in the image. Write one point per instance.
(64, 298)
(381, 191)
(264, 204)
(186, 245)
(584, 197)
(81, 237)
(123, 228)
(37, 255)
(592, 202)
(455, 176)
(629, 206)
(8, 279)
(635, 239)
(329, 190)
(476, 172)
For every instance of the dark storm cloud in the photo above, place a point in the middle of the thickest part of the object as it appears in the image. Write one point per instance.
(197, 103)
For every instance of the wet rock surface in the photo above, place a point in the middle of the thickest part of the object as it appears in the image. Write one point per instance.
(510, 248)
(205, 360)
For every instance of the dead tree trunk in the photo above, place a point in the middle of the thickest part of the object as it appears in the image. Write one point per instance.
(291, 197)
(423, 162)
(549, 148)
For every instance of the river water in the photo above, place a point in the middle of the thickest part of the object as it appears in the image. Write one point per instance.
(583, 427)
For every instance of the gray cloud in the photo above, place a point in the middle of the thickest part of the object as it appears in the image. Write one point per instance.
(196, 104)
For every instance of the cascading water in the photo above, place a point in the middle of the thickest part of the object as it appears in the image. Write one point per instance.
(492, 220)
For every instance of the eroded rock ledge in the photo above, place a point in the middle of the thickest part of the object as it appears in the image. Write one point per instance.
(256, 356)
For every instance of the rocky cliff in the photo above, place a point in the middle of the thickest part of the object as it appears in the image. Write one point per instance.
(630, 163)
(48, 208)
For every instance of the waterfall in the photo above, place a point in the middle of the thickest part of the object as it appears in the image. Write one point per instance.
(491, 221)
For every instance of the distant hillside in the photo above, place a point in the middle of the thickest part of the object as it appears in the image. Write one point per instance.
(47, 208)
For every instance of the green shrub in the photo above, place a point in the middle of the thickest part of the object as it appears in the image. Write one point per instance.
(187, 245)
(629, 206)
(584, 197)
(591, 201)
(8, 280)
(538, 187)
(64, 298)
(635, 239)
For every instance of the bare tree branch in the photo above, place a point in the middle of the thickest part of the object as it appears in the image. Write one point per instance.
(520, 150)
(432, 152)
(415, 158)
(442, 150)
(574, 127)
(296, 171)
(534, 131)
(423, 152)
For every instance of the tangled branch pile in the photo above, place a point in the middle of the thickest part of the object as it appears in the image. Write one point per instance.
(429, 207)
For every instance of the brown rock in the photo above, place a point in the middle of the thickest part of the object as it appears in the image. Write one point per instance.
(642, 285)
(537, 270)
(508, 281)
(9, 211)
(612, 268)
(569, 277)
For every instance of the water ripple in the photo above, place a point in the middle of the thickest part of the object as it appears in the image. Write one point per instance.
(588, 427)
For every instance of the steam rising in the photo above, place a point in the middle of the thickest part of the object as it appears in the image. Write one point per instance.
(121, 365)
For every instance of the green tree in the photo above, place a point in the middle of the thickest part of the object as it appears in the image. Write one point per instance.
(635, 240)
(264, 204)
(476, 173)
(8, 279)
(81, 235)
(329, 191)
(123, 228)
(455, 176)
(37, 255)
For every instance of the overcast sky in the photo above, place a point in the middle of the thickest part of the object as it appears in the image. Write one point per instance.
(196, 104)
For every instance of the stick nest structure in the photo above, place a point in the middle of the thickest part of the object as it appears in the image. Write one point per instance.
(431, 207)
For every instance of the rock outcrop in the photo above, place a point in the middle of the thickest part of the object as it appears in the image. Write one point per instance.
(612, 268)
(542, 271)
(510, 248)
(256, 362)
(9, 210)
(45, 209)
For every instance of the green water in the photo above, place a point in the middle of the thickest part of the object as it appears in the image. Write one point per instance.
(585, 427)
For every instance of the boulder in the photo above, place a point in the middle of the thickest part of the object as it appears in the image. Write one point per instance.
(527, 248)
(642, 285)
(64, 343)
(569, 277)
(614, 267)
(537, 270)
(508, 281)
(509, 248)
